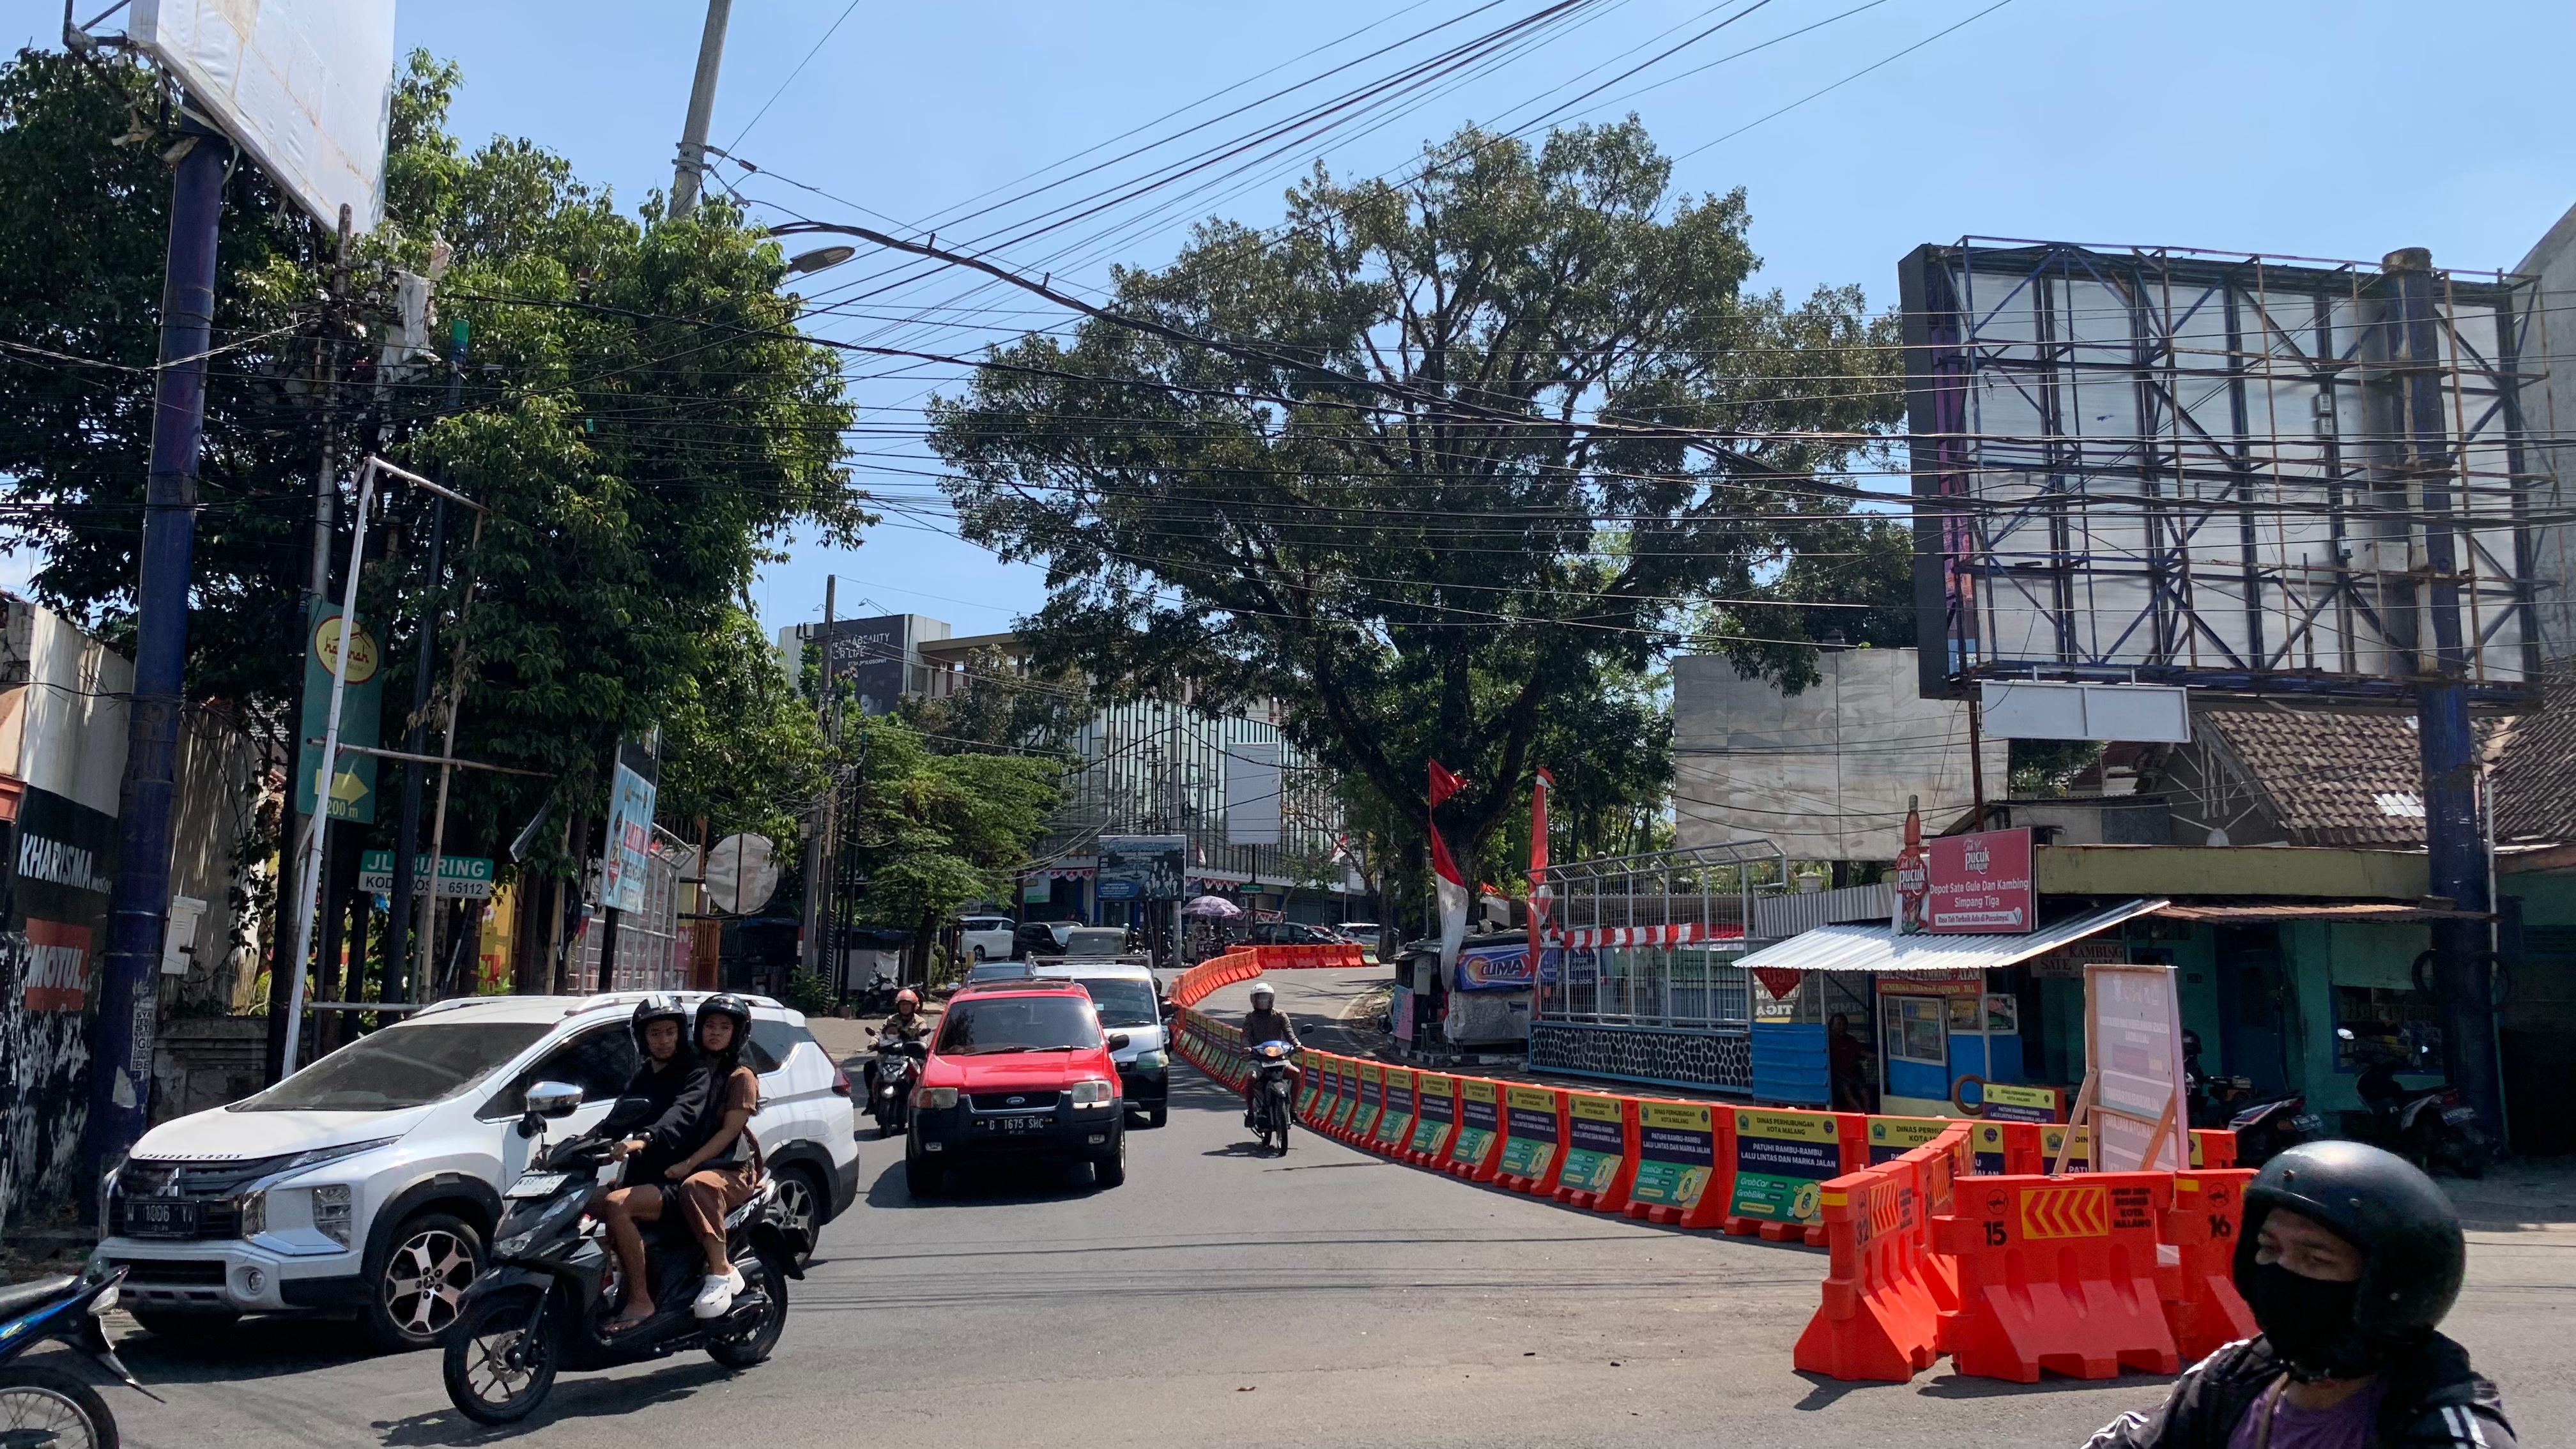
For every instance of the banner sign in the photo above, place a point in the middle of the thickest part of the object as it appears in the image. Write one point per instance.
(460, 877)
(1395, 1124)
(1435, 1107)
(1346, 1102)
(1372, 1097)
(1529, 1138)
(353, 785)
(628, 849)
(2008, 1103)
(1597, 1142)
(1979, 884)
(1893, 1137)
(2053, 1137)
(1141, 867)
(58, 903)
(1479, 1118)
(1986, 1146)
(1781, 1160)
(1494, 968)
(1676, 1153)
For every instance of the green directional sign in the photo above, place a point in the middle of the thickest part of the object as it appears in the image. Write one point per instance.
(353, 785)
(460, 877)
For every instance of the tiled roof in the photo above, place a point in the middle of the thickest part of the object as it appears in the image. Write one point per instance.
(2329, 778)
(2534, 776)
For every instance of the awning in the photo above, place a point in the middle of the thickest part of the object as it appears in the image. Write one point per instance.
(1879, 948)
(2377, 912)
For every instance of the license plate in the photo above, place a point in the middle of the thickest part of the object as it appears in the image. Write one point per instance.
(536, 1184)
(160, 1218)
(1013, 1126)
(2308, 1122)
(2457, 1115)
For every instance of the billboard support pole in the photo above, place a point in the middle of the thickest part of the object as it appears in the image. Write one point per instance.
(129, 986)
(2454, 834)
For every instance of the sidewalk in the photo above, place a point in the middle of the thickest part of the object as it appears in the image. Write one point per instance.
(2532, 1194)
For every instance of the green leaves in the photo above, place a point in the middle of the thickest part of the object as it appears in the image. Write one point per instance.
(934, 833)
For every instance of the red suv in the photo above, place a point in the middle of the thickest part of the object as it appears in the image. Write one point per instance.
(1018, 1070)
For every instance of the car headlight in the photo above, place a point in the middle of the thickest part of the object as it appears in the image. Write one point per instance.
(1150, 1061)
(320, 1155)
(254, 1213)
(1091, 1093)
(332, 1211)
(935, 1099)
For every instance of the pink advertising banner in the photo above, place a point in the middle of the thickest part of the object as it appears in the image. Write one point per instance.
(1980, 884)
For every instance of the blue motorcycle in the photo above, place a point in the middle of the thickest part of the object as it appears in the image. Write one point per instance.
(45, 1408)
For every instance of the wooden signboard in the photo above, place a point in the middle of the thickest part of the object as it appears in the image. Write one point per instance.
(2133, 1078)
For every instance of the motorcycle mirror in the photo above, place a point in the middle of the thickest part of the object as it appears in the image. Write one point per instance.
(2344, 1033)
(1118, 1041)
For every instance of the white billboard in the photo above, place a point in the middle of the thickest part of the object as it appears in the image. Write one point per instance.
(305, 86)
(1252, 793)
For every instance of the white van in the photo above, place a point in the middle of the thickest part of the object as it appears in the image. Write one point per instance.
(370, 1180)
(1126, 995)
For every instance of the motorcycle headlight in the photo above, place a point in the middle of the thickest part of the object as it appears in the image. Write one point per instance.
(1091, 1093)
(332, 1210)
(935, 1099)
(103, 1303)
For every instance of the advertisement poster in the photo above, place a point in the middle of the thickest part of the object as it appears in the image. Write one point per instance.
(1892, 1137)
(1494, 968)
(1479, 1118)
(353, 785)
(629, 848)
(1529, 1138)
(1913, 880)
(1396, 1122)
(1597, 1142)
(1435, 1107)
(1781, 1160)
(1980, 884)
(2008, 1103)
(1140, 867)
(1676, 1153)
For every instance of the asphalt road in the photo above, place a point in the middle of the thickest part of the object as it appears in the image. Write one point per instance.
(1222, 1297)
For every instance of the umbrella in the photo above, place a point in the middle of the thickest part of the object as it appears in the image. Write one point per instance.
(1216, 908)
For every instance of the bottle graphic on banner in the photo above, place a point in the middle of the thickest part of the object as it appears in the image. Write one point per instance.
(1913, 875)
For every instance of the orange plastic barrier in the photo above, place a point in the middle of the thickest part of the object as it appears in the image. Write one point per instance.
(1394, 1125)
(1878, 1319)
(2058, 1274)
(2212, 1148)
(1317, 1089)
(1533, 1139)
(1782, 1161)
(1680, 1149)
(2199, 1287)
(1372, 1101)
(1476, 1148)
(1435, 1118)
(1600, 1151)
(1893, 1137)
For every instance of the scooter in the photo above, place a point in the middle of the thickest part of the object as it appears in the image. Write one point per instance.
(543, 1304)
(2268, 1129)
(2431, 1126)
(898, 1066)
(45, 1406)
(1272, 1109)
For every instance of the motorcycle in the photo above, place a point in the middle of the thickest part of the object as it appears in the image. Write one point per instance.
(544, 1303)
(898, 1066)
(2268, 1129)
(1272, 1109)
(2430, 1126)
(45, 1406)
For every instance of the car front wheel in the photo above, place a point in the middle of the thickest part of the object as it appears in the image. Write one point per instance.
(414, 1294)
(1110, 1168)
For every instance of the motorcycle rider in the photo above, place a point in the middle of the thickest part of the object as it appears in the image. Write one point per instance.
(907, 1026)
(2348, 1256)
(1268, 1023)
(671, 1078)
(708, 1173)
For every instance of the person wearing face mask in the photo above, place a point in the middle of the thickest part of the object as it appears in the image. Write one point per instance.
(2348, 1256)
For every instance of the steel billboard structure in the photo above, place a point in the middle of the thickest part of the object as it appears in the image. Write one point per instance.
(2230, 471)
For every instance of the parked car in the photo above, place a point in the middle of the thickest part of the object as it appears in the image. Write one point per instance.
(1040, 938)
(370, 1181)
(985, 938)
(987, 973)
(1125, 994)
(1362, 933)
(1018, 1073)
(1292, 933)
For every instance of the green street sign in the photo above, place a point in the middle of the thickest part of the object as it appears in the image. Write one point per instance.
(460, 877)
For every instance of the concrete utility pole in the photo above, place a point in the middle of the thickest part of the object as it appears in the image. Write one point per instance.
(702, 105)
(129, 988)
(2454, 828)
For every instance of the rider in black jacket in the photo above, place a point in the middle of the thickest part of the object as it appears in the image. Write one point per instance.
(2348, 1256)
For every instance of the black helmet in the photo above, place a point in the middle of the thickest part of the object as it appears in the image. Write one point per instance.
(2190, 1044)
(659, 1006)
(2408, 1236)
(724, 1003)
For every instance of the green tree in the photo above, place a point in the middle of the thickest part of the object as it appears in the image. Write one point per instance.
(1476, 444)
(933, 833)
(1000, 706)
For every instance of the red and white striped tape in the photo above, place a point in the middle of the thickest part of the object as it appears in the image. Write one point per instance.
(1676, 935)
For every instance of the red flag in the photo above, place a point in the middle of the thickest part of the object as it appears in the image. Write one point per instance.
(1443, 784)
(1538, 824)
(1441, 865)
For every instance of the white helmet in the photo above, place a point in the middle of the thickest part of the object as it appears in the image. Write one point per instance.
(1261, 992)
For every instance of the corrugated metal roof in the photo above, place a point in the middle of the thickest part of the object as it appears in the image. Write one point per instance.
(1879, 948)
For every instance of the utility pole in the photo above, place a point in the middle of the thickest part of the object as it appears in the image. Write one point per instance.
(818, 847)
(702, 104)
(129, 998)
(401, 984)
(2454, 828)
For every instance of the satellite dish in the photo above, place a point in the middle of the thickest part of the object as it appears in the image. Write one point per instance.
(741, 874)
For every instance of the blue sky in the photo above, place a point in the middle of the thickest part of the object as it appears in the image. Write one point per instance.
(2327, 128)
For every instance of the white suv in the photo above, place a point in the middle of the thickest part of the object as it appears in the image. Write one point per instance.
(370, 1180)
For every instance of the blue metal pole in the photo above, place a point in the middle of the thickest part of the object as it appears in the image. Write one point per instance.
(129, 991)
(2454, 828)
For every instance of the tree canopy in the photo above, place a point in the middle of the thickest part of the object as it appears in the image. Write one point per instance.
(932, 833)
(1468, 448)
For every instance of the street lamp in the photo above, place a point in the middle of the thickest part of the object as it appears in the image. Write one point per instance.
(807, 263)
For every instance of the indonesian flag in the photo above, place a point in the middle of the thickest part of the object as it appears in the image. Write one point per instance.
(1538, 863)
(1447, 883)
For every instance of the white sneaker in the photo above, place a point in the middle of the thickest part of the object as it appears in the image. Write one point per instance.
(715, 1296)
(734, 1280)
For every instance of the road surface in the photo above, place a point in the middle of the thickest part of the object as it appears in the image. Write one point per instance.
(1225, 1298)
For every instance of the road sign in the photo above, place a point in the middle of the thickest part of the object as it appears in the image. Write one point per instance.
(460, 877)
(742, 873)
